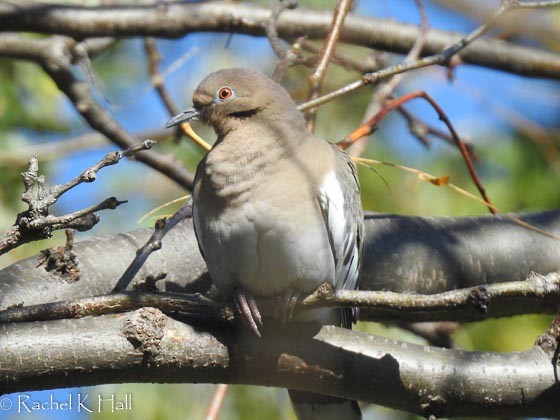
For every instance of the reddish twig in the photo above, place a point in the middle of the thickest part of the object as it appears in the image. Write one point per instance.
(367, 128)
(443, 57)
(217, 401)
(383, 91)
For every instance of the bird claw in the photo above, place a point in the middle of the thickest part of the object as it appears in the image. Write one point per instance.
(248, 310)
(286, 304)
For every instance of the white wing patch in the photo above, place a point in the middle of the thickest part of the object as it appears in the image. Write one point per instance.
(343, 232)
(332, 204)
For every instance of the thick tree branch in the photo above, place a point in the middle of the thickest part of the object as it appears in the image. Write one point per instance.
(147, 346)
(416, 254)
(178, 19)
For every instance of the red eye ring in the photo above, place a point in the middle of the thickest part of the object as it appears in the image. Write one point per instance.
(225, 93)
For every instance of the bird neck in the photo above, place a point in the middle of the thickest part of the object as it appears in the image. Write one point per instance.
(246, 156)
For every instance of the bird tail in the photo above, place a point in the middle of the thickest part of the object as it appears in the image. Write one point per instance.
(311, 406)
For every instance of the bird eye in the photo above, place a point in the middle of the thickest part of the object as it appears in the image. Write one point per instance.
(225, 93)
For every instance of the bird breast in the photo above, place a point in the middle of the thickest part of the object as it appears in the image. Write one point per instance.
(259, 223)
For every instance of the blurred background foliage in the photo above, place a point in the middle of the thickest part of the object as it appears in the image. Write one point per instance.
(512, 121)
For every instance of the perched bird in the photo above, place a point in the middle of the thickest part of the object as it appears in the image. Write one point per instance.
(276, 210)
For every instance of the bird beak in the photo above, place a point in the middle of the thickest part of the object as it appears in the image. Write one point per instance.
(187, 115)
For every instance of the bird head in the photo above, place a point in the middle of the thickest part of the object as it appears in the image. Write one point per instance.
(226, 98)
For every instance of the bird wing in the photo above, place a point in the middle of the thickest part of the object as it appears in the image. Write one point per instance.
(196, 215)
(339, 200)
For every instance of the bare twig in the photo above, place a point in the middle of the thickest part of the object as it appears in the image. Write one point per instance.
(370, 125)
(155, 77)
(121, 302)
(270, 27)
(57, 149)
(56, 55)
(217, 401)
(37, 223)
(421, 130)
(442, 57)
(154, 243)
(292, 57)
(385, 90)
(316, 79)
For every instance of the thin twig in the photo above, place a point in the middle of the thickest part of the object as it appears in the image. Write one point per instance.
(62, 222)
(217, 401)
(371, 63)
(384, 91)
(536, 294)
(90, 174)
(121, 302)
(292, 57)
(442, 57)
(316, 79)
(421, 130)
(370, 125)
(37, 223)
(163, 226)
(156, 79)
(270, 27)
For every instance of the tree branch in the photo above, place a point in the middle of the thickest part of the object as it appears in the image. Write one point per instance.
(162, 228)
(423, 255)
(342, 8)
(147, 346)
(37, 223)
(536, 295)
(178, 19)
(56, 56)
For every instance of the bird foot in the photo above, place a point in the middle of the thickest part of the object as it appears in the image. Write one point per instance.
(246, 306)
(286, 304)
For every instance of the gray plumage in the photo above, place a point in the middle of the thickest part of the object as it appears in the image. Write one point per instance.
(274, 208)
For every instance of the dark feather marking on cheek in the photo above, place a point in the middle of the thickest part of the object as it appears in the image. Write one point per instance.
(245, 114)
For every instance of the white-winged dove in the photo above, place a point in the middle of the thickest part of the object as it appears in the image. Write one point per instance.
(276, 210)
